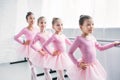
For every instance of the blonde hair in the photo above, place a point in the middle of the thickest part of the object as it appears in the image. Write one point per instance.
(54, 20)
(40, 18)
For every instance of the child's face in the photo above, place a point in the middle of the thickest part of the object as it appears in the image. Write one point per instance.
(87, 26)
(31, 19)
(58, 26)
(42, 23)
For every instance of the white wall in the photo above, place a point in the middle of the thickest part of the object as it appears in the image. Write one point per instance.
(8, 15)
(106, 13)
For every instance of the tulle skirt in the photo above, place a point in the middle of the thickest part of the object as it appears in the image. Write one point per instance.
(58, 62)
(36, 58)
(25, 51)
(94, 71)
(39, 60)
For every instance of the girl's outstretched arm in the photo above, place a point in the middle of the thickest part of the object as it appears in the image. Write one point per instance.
(104, 47)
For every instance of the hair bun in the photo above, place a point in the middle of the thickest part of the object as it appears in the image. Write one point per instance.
(28, 13)
(55, 18)
(82, 16)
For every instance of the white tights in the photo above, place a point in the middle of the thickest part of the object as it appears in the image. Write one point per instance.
(47, 74)
(60, 75)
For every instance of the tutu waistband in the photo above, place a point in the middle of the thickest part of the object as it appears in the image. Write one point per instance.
(88, 62)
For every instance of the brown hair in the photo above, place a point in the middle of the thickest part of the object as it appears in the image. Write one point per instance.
(83, 18)
(28, 14)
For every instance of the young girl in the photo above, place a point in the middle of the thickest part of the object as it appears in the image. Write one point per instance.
(29, 33)
(88, 68)
(59, 59)
(40, 58)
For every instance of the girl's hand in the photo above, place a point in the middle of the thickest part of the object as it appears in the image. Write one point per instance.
(26, 42)
(82, 65)
(55, 53)
(116, 43)
(42, 52)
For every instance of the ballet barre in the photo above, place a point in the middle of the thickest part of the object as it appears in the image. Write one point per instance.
(102, 40)
(21, 61)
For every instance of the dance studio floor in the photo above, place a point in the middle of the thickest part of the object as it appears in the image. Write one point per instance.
(20, 71)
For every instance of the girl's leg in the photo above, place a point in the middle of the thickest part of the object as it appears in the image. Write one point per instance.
(33, 75)
(60, 75)
(47, 74)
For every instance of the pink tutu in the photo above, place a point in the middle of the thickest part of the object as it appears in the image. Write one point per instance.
(94, 71)
(39, 60)
(24, 51)
(60, 62)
